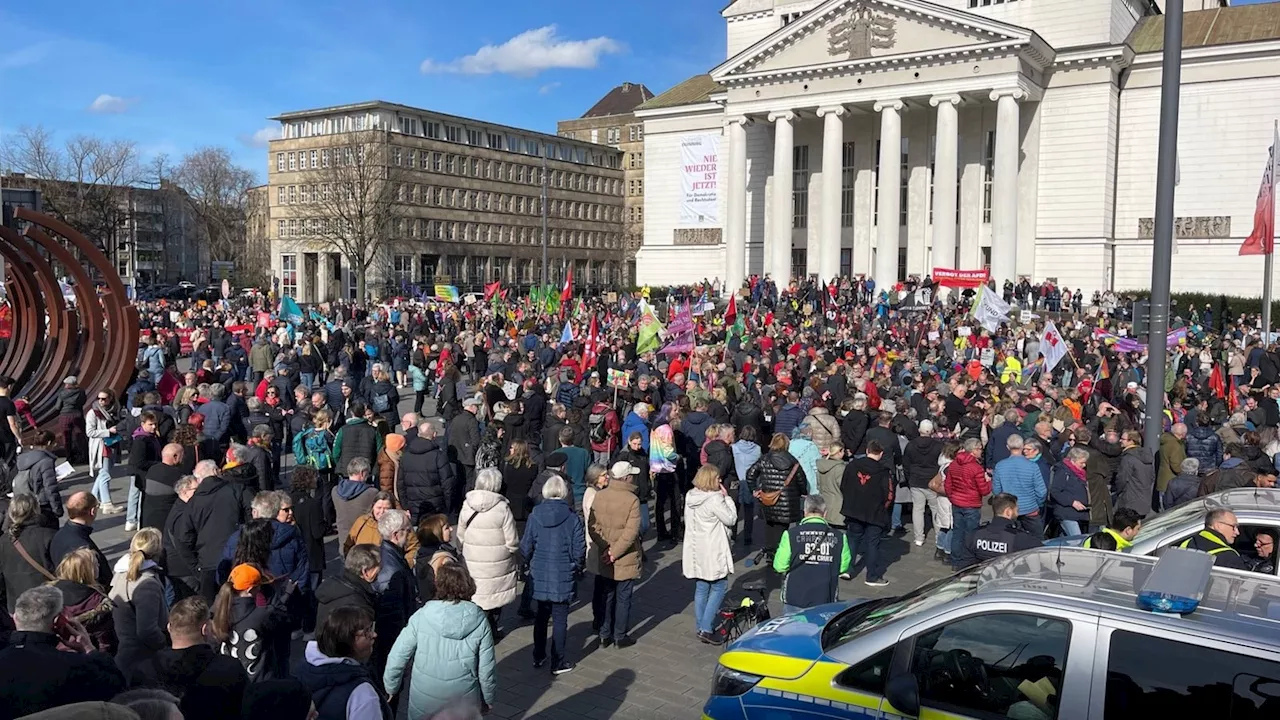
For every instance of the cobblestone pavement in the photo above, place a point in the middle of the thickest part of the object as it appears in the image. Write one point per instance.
(666, 674)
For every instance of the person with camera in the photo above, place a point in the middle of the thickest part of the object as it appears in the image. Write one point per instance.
(38, 675)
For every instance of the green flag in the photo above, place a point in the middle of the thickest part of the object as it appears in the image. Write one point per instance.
(649, 328)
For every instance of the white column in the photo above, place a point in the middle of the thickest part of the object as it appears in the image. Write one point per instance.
(735, 223)
(944, 181)
(828, 245)
(780, 231)
(890, 182)
(1004, 187)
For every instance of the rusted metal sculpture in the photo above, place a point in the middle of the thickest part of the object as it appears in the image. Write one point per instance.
(96, 341)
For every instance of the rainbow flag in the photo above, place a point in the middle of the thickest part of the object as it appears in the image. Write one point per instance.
(448, 293)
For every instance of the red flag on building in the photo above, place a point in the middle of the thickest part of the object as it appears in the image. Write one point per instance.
(731, 312)
(1263, 238)
(590, 351)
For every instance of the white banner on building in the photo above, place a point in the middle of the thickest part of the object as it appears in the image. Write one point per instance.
(700, 180)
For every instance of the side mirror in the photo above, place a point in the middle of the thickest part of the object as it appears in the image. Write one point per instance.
(903, 693)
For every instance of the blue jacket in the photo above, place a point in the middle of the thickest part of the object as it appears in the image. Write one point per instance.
(451, 648)
(790, 416)
(1065, 488)
(288, 554)
(1204, 445)
(635, 423)
(554, 545)
(217, 420)
(998, 446)
(808, 454)
(1021, 478)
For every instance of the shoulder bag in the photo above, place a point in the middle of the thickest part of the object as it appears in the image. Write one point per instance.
(769, 499)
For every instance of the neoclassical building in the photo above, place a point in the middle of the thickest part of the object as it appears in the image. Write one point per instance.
(888, 137)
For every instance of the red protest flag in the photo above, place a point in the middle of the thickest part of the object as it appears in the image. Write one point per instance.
(731, 312)
(566, 293)
(590, 351)
(1263, 238)
(492, 289)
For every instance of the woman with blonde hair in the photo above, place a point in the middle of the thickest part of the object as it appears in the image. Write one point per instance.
(142, 596)
(365, 529)
(709, 517)
(518, 473)
(84, 600)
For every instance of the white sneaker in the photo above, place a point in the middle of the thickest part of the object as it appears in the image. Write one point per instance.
(130, 526)
(877, 583)
(109, 509)
(920, 543)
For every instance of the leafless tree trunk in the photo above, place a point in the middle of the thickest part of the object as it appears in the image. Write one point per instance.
(218, 193)
(354, 195)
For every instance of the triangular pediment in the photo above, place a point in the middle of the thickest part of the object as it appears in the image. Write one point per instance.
(851, 31)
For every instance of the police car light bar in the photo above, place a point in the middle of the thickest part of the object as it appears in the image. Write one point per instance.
(1177, 583)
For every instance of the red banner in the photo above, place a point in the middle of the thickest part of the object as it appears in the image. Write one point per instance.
(184, 341)
(947, 277)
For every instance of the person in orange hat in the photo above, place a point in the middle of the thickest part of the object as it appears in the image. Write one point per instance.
(251, 622)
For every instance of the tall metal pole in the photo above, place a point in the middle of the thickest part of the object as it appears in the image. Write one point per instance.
(1267, 267)
(1162, 255)
(544, 218)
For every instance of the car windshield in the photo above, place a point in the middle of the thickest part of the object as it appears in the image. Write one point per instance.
(861, 618)
(1192, 512)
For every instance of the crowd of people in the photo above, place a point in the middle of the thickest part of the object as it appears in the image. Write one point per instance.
(809, 425)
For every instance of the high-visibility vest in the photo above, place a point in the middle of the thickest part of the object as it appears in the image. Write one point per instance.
(1221, 546)
(1121, 543)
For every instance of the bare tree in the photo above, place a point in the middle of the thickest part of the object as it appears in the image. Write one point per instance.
(355, 194)
(218, 191)
(89, 179)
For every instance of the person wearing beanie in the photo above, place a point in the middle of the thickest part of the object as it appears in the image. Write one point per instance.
(389, 461)
(251, 622)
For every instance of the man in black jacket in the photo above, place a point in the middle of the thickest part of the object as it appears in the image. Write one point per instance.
(38, 676)
(464, 440)
(352, 588)
(428, 483)
(853, 430)
(395, 584)
(82, 510)
(356, 439)
(867, 489)
(215, 510)
(1004, 534)
(180, 563)
(210, 685)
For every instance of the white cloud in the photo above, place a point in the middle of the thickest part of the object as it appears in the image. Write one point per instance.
(548, 88)
(109, 104)
(262, 137)
(24, 56)
(528, 54)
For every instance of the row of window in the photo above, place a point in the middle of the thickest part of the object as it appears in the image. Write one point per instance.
(435, 130)
(635, 214)
(612, 136)
(414, 194)
(450, 231)
(985, 3)
(450, 164)
(848, 174)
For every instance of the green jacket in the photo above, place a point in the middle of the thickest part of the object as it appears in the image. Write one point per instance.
(782, 557)
(1172, 452)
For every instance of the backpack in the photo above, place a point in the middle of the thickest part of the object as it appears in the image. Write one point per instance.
(597, 428)
(22, 483)
(318, 453)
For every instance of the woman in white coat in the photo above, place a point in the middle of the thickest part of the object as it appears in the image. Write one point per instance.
(709, 518)
(490, 544)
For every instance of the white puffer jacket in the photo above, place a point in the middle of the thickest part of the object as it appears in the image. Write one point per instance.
(490, 547)
(708, 519)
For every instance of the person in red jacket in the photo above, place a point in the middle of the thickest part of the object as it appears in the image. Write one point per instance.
(966, 484)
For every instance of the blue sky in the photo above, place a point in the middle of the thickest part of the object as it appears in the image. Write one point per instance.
(174, 76)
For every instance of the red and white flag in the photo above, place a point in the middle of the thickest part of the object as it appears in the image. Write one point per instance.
(566, 293)
(590, 350)
(1262, 240)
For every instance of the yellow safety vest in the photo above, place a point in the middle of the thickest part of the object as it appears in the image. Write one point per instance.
(1121, 543)
(1222, 547)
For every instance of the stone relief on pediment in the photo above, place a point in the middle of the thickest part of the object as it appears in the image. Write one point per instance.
(854, 36)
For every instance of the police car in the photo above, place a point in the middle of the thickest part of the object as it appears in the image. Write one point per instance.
(1048, 633)
(1256, 509)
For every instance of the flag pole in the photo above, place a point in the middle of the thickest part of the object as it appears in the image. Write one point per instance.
(1269, 260)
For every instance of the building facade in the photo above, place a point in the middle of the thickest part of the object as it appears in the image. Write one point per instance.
(466, 207)
(612, 121)
(151, 234)
(889, 137)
